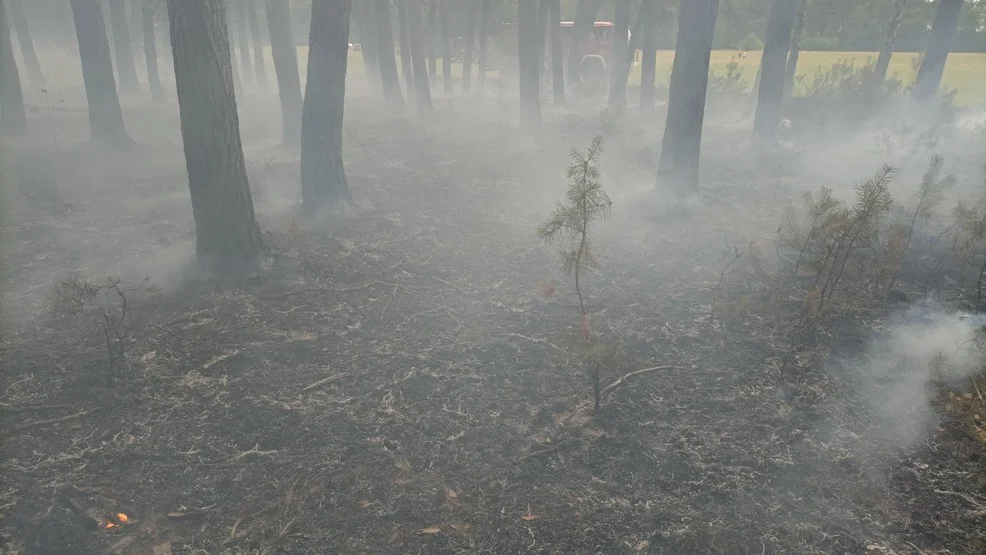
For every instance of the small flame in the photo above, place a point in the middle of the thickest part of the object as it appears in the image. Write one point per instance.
(115, 521)
(123, 518)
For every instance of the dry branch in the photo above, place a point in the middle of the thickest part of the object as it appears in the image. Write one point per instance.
(623, 378)
(58, 420)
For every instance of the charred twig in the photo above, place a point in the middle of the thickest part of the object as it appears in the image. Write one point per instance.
(321, 382)
(58, 420)
(621, 380)
(336, 292)
(254, 451)
(33, 408)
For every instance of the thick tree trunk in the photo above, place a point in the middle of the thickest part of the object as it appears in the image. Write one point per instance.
(527, 54)
(773, 64)
(543, 28)
(468, 46)
(123, 48)
(18, 19)
(362, 12)
(13, 120)
(243, 40)
(405, 43)
(385, 49)
(105, 115)
(936, 54)
(585, 18)
(887, 47)
(258, 43)
(285, 56)
(419, 61)
(557, 63)
(794, 50)
(227, 237)
(147, 8)
(233, 49)
(446, 48)
(430, 33)
(619, 58)
(648, 57)
(484, 22)
(682, 141)
(323, 177)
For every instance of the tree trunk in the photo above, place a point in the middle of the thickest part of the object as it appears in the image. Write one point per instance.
(794, 50)
(123, 49)
(648, 57)
(557, 63)
(385, 50)
(467, 47)
(773, 63)
(430, 34)
(404, 35)
(619, 61)
(585, 18)
(936, 54)
(243, 39)
(366, 26)
(18, 18)
(233, 49)
(887, 48)
(323, 178)
(682, 141)
(422, 91)
(285, 56)
(258, 43)
(147, 9)
(135, 10)
(543, 28)
(446, 48)
(105, 115)
(527, 54)
(484, 22)
(227, 238)
(13, 120)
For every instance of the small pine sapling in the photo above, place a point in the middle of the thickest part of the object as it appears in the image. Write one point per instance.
(586, 203)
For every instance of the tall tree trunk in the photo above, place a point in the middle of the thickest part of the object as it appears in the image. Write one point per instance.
(388, 64)
(285, 56)
(13, 120)
(543, 28)
(557, 63)
(123, 48)
(227, 238)
(258, 43)
(147, 8)
(936, 54)
(105, 115)
(323, 178)
(430, 40)
(648, 57)
(484, 23)
(404, 35)
(887, 47)
(366, 26)
(446, 48)
(135, 10)
(467, 47)
(18, 18)
(585, 19)
(527, 54)
(231, 38)
(619, 59)
(422, 90)
(794, 50)
(243, 39)
(774, 61)
(682, 141)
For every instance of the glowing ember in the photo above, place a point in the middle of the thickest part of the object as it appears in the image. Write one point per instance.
(115, 521)
(122, 518)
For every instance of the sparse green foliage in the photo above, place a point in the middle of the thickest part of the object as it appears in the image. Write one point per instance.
(730, 83)
(970, 244)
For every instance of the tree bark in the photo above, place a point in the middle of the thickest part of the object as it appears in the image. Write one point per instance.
(105, 115)
(404, 35)
(681, 146)
(147, 8)
(619, 59)
(13, 120)
(136, 22)
(887, 47)
(366, 26)
(237, 60)
(585, 18)
(773, 65)
(419, 61)
(285, 56)
(123, 48)
(648, 57)
(243, 39)
(543, 28)
(18, 18)
(228, 243)
(323, 177)
(258, 43)
(527, 54)
(484, 22)
(446, 48)
(936, 54)
(794, 50)
(430, 34)
(468, 46)
(385, 51)
(557, 63)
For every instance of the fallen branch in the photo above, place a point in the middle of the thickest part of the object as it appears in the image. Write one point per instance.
(337, 292)
(980, 508)
(323, 381)
(254, 451)
(33, 408)
(620, 381)
(58, 420)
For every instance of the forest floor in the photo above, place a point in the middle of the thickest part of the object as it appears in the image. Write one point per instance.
(402, 378)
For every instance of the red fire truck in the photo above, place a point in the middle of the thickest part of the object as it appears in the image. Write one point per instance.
(596, 51)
